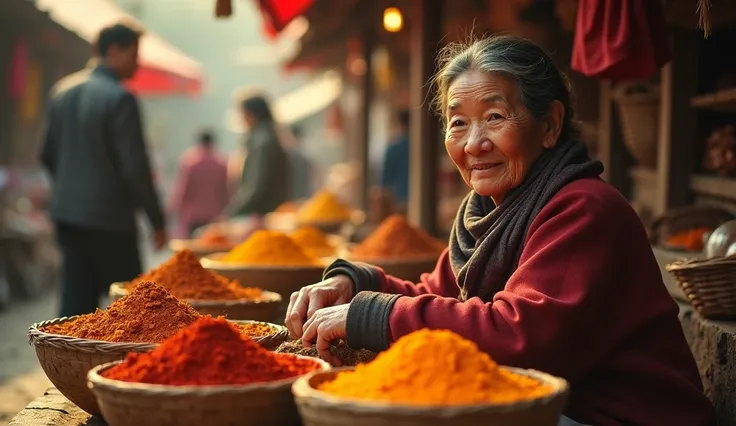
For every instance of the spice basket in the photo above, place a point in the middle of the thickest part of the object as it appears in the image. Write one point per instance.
(66, 360)
(331, 227)
(321, 409)
(196, 247)
(141, 404)
(708, 284)
(265, 309)
(283, 280)
(685, 218)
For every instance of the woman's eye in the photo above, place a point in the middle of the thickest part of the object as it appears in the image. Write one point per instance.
(456, 123)
(495, 116)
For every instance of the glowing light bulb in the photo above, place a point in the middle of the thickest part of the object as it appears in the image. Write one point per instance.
(393, 21)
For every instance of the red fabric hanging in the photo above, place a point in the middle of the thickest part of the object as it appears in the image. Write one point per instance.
(152, 81)
(278, 13)
(620, 39)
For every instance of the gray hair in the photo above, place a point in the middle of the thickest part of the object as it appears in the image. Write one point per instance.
(538, 80)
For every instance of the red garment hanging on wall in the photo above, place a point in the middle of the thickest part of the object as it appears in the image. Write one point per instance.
(620, 39)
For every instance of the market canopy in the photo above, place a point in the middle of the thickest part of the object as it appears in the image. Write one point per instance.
(278, 13)
(164, 70)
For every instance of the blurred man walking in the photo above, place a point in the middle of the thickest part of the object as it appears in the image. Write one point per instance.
(95, 152)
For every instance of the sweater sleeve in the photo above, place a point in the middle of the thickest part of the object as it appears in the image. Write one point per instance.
(365, 277)
(549, 305)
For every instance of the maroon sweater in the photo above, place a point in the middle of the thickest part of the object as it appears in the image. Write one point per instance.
(586, 303)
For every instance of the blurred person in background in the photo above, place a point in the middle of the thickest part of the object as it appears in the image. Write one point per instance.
(301, 168)
(395, 171)
(265, 181)
(95, 152)
(201, 192)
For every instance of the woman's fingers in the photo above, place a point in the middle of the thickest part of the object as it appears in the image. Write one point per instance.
(296, 314)
(323, 348)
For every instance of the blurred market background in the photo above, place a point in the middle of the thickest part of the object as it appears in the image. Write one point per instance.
(338, 75)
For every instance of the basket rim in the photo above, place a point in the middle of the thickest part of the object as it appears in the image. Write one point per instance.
(692, 263)
(95, 379)
(302, 386)
(212, 262)
(347, 253)
(36, 337)
(118, 288)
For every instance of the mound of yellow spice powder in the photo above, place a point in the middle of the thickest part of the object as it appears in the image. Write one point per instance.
(434, 367)
(271, 248)
(313, 241)
(323, 207)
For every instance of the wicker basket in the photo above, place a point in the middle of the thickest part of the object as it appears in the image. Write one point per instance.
(66, 360)
(639, 115)
(196, 247)
(283, 280)
(709, 285)
(140, 404)
(265, 309)
(321, 409)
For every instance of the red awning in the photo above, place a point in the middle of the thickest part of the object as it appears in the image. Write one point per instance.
(278, 13)
(163, 69)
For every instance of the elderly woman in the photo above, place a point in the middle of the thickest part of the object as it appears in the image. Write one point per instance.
(547, 267)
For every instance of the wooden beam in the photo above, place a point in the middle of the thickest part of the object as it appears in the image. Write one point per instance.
(426, 32)
(677, 122)
(611, 150)
(367, 86)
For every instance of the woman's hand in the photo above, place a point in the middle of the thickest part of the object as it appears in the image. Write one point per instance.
(304, 303)
(324, 327)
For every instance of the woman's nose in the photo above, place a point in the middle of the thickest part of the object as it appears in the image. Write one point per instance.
(478, 141)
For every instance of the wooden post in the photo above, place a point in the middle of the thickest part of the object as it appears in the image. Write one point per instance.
(426, 30)
(677, 122)
(369, 40)
(611, 150)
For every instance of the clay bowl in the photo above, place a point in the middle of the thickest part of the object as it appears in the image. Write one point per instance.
(283, 280)
(141, 404)
(318, 408)
(267, 308)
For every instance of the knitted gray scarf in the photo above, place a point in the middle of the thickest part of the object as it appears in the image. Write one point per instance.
(487, 240)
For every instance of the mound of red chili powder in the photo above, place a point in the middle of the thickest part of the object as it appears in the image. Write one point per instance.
(209, 352)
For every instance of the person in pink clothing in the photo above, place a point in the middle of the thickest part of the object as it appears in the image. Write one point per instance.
(201, 189)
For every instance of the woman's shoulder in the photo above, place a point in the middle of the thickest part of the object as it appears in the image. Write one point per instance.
(591, 200)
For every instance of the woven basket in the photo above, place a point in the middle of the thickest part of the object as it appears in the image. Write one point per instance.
(66, 360)
(685, 218)
(141, 404)
(709, 285)
(265, 309)
(196, 247)
(639, 115)
(321, 409)
(283, 280)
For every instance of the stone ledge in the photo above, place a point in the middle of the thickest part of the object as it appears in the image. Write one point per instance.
(53, 409)
(713, 344)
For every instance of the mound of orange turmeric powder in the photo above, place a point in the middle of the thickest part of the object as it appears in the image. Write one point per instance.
(313, 241)
(271, 248)
(149, 314)
(456, 373)
(395, 238)
(323, 207)
(185, 278)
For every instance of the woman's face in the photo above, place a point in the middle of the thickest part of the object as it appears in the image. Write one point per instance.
(491, 137)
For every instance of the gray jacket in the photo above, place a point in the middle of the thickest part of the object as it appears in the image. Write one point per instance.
(95, 151)
(266, 173)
